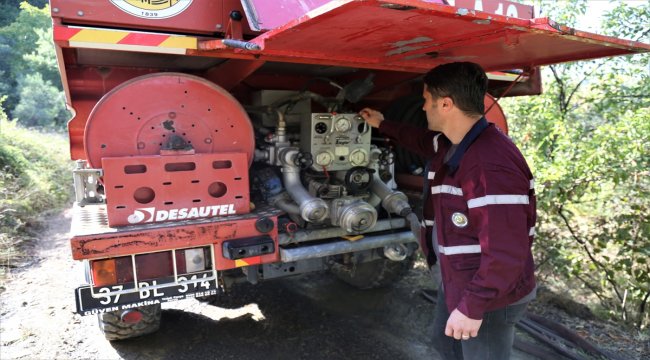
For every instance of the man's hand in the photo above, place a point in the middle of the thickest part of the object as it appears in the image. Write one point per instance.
(372, 117)
(460, 327)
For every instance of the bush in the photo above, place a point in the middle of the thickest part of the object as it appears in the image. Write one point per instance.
(41, 103)
(35, 176)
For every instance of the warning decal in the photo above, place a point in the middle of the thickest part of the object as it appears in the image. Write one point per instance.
(152, 9)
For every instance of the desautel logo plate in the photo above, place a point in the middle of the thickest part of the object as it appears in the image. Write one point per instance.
(146, 215)
(152, 9)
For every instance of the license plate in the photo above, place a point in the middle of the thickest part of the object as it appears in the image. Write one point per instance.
(99, 300)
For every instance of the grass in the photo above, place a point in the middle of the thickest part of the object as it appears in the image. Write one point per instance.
(35, 178)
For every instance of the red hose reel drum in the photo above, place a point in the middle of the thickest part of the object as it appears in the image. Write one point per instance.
(139, 134)
(139, 116)
(495, 113)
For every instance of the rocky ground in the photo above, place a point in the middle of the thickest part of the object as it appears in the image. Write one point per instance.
(308, 317)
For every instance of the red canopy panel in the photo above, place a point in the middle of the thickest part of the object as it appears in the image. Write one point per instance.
(419, 35)
(264, 15)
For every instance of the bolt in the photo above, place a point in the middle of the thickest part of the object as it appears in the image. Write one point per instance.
(140, 145)
(80, 13)
(236, 15)
(208, 141)
(172, 115)
(55, 10)
(219, 26)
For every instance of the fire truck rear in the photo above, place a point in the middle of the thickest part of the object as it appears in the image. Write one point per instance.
(218, 141)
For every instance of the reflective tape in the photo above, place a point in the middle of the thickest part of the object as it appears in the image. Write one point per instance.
(498, 200)
(531, 232)
(428, 222)
(435, 142)
(460, 249)
(532, 184)
(446, 189)
(431, 175)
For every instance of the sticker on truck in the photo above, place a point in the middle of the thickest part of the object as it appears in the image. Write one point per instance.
(96, 300)
(152, 9)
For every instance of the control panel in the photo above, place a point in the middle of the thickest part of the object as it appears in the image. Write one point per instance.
(336, 141)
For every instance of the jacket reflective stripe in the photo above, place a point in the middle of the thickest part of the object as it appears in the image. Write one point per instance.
(447, 189)
(435, 142)
(532, 184)
(426, 223)
(460, 249)
(531, 232)
(431, 175)
(498, 200)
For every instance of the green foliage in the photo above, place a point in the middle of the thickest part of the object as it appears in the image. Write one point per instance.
(41, 104)
(34, 177)
(27, 60)
(9, 9)
(588, 140)
(563, 12)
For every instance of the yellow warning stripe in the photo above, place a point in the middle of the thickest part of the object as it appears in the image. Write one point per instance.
(240, 263)
(97, 36)
(182, 42)
(255, 260)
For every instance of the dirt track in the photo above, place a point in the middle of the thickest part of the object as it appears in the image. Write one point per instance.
(309, 317)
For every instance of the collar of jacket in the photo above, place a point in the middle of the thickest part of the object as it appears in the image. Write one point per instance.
(472, 134)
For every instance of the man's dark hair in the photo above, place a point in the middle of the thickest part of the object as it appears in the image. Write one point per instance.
(464, 82)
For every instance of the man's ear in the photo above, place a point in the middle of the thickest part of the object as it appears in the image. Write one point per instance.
(447, 103)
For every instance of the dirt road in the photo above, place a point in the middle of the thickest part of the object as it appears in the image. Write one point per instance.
(309, 317)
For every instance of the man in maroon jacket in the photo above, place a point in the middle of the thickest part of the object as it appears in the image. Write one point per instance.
(479, 214)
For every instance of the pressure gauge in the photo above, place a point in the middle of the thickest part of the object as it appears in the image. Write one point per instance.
(324, 158)
(342, 125)
(358, 157)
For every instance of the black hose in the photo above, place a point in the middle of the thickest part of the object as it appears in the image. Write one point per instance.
(546, 337)
(538, 351)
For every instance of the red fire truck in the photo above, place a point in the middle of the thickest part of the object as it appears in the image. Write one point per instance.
(218, 141)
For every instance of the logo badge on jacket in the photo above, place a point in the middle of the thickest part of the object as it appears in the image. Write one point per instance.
(459, 219)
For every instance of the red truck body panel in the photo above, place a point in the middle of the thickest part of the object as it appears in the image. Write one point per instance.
(94, 239)
(206, 17)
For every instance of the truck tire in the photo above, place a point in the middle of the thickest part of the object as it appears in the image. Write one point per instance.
(111, 325)
(373, 274)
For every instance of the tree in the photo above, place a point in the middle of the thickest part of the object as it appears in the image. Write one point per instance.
(9, 9)
(587, 138)
(26, 48)
(41, 104)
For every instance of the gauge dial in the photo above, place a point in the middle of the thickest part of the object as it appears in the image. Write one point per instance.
(342, 125)
(358, 157)
(324, 158)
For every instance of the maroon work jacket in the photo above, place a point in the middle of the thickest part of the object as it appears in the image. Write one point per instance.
(483, 203)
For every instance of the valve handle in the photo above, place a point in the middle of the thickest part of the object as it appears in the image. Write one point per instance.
(386, 157)
(303, 160)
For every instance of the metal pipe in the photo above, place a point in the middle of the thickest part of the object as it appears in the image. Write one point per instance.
(312, 209)
(287, 206)
(374, 200)
(281, 130)
(341, 247)
(334, 232)
(393, 201)
(240, 44)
